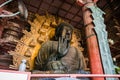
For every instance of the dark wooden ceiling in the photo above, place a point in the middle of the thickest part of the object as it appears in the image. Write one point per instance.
(67, 9)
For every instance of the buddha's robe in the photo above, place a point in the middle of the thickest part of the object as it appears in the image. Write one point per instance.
(46, 58)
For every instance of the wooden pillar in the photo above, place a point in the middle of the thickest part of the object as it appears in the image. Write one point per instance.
(92, 43)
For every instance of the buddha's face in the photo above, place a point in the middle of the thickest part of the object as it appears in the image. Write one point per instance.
(67, 33)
